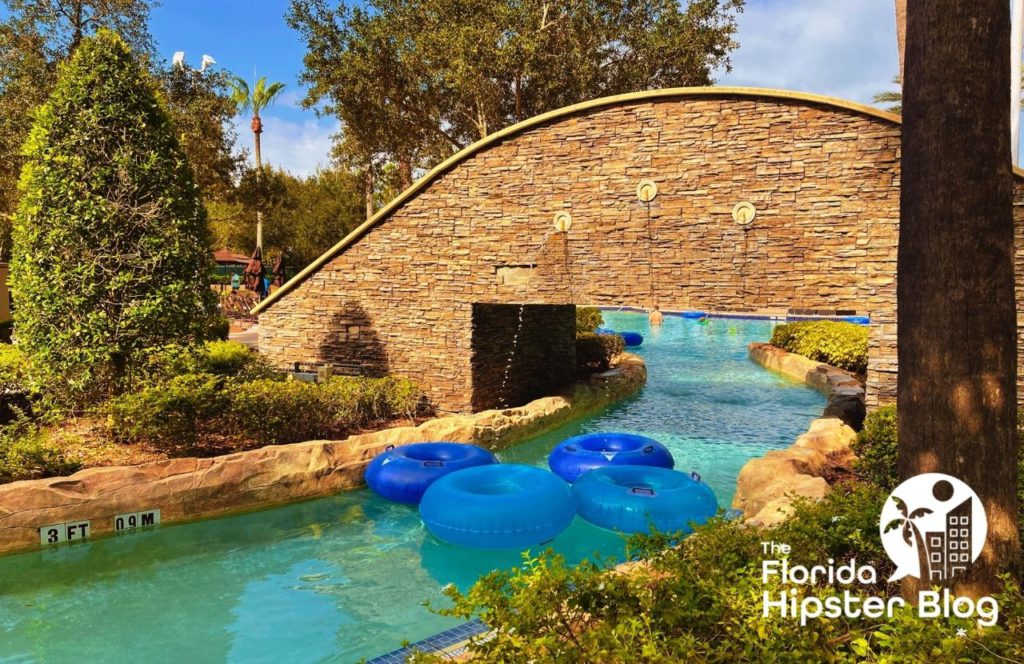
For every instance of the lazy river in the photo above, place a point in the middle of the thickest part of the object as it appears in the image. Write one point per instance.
(345, 577)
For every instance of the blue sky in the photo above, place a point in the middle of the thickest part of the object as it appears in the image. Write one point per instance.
(845, 48)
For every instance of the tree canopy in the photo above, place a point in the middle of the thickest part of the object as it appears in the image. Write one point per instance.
(36, 36)
(201, 111)
(414, 80)
(111, 251)
(303, 216)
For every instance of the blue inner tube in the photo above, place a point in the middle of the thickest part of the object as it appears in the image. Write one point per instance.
(403, 473)
(632, 498)
(695, 314)
(505, 506)
(575, 456)
(632, 338)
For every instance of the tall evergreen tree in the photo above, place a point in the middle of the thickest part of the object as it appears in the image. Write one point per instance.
(111, 254)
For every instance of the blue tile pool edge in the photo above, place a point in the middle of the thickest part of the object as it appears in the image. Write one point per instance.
(450, 642)
(783, 317)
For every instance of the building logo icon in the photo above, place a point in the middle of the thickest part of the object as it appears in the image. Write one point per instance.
(933, 527)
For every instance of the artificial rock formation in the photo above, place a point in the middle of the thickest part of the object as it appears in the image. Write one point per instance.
(189, 488)
(767, 486)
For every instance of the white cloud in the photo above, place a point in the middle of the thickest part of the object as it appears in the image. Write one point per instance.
(297, 147)
(843, 48)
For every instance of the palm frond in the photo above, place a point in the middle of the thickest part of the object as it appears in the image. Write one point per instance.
(240, 96)
(264, 95)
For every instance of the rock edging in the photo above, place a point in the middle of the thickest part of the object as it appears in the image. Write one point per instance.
(767, 486)
(187, 489)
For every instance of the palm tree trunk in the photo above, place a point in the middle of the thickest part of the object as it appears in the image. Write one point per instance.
(957, 317)
(368, 189)
(259, 172)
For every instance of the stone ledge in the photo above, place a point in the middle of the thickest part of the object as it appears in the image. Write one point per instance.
(767, 486)
(188, 489)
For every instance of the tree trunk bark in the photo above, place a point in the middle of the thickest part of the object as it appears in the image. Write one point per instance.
(922, 555)
(957, 317)
(77, 27)
(368, 189)
(519, 97)
(404, 173)
(259, 173)
(901, 32)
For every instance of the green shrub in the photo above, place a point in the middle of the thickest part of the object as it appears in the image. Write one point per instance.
(110, 252)
(218, 328)
(28, 452)
(173, 413)
(378, 398)
(876, 448)
(595, 352)
(843, 345)
(277, 412)
(702, 601)
(13, 369)
(231, 358)
(273, 411)
(588, 319)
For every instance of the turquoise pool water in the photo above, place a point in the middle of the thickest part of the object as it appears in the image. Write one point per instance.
(345, 577)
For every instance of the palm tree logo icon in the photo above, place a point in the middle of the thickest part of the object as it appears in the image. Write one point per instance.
(940, 537)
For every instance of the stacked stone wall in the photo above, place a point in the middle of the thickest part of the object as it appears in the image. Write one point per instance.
(824, 181)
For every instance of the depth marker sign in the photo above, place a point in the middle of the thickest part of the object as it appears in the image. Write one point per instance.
(133, 520)
(64, 532)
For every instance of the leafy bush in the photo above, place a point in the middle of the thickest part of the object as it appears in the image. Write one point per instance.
(173, 413)
(876, 448)
(843, 345)
(291, 411)
(702, 601)
(276, 412)
(110, 241)
(28, 452)
(595, 352)
(231, 358)
(218, 328)
(13, 369)
(588, 319)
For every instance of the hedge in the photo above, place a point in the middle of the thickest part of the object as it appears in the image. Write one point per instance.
(182, 410)
(843, 345)
(588, 319)
(29, 452)
(595, 352)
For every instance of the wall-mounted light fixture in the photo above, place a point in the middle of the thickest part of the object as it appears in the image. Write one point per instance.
(646, 191)
(743, 213)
